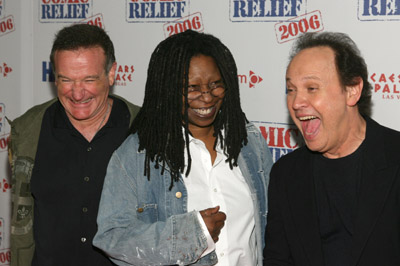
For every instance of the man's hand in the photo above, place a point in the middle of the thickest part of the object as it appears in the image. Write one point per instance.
(214, 220)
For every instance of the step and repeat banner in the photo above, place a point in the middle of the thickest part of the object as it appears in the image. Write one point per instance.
(259, 34)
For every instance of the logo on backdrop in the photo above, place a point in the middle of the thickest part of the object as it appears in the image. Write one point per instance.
(387, 85)
(293, 28)
(369, 10)
(5, 70)
(4, 185)
(265, 10)
(67, 11)
(5, 254)
(191, 22)
(7, 25)
(124, 75)
(96, 20)
(4, 129)
(281, 138)
(47, 72)
(252, 79)
(156, 10)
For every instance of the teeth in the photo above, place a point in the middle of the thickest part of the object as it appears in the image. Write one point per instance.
(204, 111)
(303, 118)
(85, 101)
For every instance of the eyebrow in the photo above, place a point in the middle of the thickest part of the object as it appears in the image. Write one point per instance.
(305, 78)
(87, 77)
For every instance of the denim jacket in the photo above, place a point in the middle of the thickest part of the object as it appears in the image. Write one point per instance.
(142, 222)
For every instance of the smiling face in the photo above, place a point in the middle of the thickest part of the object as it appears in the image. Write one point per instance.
(203, 110)
(318, 104)
(82, 84)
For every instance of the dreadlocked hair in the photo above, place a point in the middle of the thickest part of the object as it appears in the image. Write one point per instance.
(160, 120)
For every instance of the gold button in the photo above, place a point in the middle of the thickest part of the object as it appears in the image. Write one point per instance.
(140, 210)
(178, 195)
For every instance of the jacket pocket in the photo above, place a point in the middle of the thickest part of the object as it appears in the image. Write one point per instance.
(147, 213)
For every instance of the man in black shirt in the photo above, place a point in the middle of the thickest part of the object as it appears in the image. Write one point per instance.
(336, 201)
(60, 150)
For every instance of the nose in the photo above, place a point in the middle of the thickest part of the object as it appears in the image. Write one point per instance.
(206, 93)
(78, 92)
(206, 96)
(297, 100)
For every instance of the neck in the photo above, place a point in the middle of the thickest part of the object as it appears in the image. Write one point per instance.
(352, 140)
(203, 134)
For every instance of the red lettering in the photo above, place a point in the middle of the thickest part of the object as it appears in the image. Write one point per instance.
(377, 87)
(373, 77)
(386, 88)
(394, 89)
(5, 257)
(3, 143)
(288, 137)
(391, 78)
(264, 132)
(10, 24)
(382, 78)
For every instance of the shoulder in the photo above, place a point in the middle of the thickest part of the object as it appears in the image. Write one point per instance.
(32, 114)
(133, 109)
(386, 138)
(31, 120)
(129, 149)
(288, 161)
(253, 133)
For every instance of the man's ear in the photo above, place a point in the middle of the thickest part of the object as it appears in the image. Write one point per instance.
(111, 74)
(354, 91)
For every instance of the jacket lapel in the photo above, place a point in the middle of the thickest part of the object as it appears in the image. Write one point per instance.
(303, 206)
(376, 181)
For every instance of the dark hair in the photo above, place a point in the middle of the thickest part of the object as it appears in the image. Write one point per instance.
(79, 36)
(349, 63)
(160, 121)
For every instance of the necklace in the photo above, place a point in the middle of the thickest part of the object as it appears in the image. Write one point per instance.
(104, 117)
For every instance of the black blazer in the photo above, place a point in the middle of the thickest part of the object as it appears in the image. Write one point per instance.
(292, 234)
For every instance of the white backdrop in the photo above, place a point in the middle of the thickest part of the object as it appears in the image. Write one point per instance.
(259, 33)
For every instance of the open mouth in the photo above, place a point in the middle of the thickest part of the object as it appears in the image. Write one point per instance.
(204, 111)
(82, 102)
(310, 126)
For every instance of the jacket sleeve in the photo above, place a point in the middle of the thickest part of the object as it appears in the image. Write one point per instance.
(21, 234)
(132, 240)
(276, 251)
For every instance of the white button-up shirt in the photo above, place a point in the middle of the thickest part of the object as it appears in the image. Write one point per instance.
(210, 185)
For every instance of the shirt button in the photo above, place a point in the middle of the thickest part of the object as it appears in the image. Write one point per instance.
(178, 195)
(84, 209)
(83, 239)
(139, 210)
(89, 149)
(222, 254)
(215, 190)
(86, 178)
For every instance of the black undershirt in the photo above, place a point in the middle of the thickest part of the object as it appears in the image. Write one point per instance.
(337, 183)
(66, 184)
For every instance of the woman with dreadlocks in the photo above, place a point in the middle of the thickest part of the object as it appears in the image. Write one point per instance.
(189, 185)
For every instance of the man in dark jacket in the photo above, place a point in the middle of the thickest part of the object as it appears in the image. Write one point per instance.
(336, 201)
